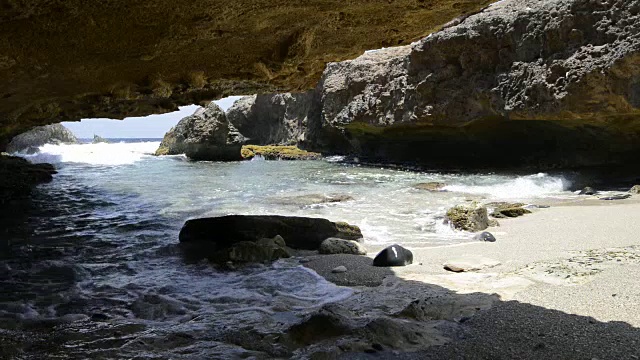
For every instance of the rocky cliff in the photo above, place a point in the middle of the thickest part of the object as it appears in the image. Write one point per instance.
(48, 134)
(273, 119)
(205, 135)
(523, 83)
(67, 60)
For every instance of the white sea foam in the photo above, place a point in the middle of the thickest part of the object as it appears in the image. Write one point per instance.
(94, 154)
(538, 185)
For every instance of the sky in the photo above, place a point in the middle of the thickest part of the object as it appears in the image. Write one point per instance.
(152, 126)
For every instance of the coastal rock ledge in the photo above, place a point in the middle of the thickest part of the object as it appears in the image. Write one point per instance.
(523, 83)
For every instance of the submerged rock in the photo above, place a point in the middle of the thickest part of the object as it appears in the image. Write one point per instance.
(41, 135)
(342, 246)
(298, 232)
(205, 135)
(394, 255)
(430, 186)
(311, 199)
(468, 217)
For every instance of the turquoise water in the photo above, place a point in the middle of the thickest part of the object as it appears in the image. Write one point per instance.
(98, 264)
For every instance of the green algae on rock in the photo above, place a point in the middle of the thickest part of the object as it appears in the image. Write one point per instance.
(278, 152)
(469, 217)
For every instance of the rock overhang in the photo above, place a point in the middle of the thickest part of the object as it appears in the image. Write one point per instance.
(63, 61)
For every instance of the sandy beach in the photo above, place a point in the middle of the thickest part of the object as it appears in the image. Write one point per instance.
(566, 277)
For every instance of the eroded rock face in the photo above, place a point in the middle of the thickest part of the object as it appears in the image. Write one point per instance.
(205, 135)
(70, 60)
(48, 134)
(524, 78)
(272, 119)
(524, 83)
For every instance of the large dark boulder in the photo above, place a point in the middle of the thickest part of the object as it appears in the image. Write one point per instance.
(298, 232)
(394, 255)
(205, 135)
(41, 135)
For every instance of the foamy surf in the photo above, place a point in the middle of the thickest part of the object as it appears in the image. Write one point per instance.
(531, 186)
(120, 153)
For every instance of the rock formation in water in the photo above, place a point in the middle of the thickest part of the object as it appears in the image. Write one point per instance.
(41, 135)
(522, 83)
(18, 177)
(205, 135)
(97, 139)
(276, 119)
(68, 60)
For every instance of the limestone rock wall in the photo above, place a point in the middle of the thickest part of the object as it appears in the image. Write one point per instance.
(74, 59)
(523, 83)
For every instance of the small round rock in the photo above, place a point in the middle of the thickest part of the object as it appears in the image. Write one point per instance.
(484, 236)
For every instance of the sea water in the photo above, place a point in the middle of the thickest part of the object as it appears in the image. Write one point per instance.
(95, 269)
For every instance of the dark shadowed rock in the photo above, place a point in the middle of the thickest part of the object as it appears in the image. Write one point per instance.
(205, 135)
(18, 177)
(394, 255)
(41, 135)
(298, 232)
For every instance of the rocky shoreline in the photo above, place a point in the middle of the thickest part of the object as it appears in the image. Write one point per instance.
(18, 177)
(455, 298)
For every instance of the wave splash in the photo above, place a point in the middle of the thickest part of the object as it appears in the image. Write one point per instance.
(120, 153)
(536, 185)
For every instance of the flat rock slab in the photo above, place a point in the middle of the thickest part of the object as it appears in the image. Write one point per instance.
(472, 263)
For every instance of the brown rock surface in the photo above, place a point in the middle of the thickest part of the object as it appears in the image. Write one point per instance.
(66, 60)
